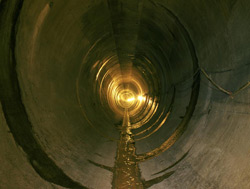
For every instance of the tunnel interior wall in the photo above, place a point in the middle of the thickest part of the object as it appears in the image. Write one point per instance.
(52, 39)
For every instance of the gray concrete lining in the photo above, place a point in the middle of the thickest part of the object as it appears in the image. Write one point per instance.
(52, 121)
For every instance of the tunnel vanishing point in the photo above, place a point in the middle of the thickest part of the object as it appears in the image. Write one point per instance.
(125, 94)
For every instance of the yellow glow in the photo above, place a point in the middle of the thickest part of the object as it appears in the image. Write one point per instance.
(126, 98)
(141, 98)
(131, 99)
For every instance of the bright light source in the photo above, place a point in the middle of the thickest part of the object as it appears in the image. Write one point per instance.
(130, 99)
(141, 98)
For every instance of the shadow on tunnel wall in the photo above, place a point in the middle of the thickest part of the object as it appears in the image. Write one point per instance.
(119, 94)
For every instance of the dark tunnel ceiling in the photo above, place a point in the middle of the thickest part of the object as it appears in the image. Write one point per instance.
(119, 94)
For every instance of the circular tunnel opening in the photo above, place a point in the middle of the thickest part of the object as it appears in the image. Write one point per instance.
(116, 94)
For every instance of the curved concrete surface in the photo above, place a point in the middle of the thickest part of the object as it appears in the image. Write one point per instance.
(125, 94)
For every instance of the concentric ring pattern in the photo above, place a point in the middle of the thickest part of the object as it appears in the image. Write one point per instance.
(107, 94)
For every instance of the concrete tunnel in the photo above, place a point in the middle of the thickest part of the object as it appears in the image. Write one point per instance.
(125, 94)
